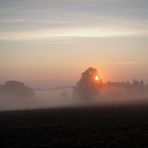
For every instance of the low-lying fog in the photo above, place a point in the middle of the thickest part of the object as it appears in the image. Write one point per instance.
(42, 99)
(52, 99)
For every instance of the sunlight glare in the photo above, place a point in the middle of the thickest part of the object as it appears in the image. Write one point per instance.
(96, 78)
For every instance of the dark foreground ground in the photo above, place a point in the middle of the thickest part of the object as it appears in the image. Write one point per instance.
(104, 127)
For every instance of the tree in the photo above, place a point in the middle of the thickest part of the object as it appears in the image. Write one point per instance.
(16, 89)
(89, 85)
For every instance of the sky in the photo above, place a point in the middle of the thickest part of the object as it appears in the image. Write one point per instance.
(50, 43)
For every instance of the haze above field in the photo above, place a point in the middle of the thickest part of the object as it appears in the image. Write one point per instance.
(50, 42)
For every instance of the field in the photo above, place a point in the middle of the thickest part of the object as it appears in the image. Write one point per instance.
(106, 127)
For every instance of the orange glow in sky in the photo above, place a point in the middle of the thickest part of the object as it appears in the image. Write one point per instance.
(49, 43)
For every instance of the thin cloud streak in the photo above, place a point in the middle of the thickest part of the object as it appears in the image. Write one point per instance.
(55, 34)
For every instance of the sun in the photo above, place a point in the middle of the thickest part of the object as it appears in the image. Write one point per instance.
(96, 78)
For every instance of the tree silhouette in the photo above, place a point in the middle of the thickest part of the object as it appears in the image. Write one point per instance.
(16, 89)
(89, 84)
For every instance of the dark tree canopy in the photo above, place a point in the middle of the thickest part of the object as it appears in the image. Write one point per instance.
(89, 84)
(16, 89)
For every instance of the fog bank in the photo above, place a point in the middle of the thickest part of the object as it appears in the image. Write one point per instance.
(58, 99)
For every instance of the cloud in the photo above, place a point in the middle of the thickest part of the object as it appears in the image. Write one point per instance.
(89, 12)
(54, 34)
(130, 62)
